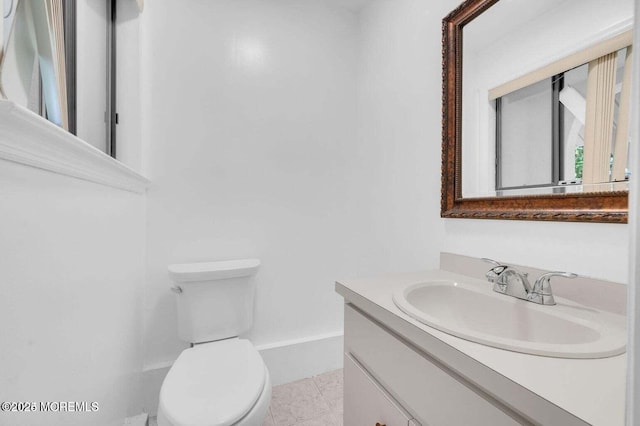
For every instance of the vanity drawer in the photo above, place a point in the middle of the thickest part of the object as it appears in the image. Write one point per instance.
(430, 392)
(366, 402)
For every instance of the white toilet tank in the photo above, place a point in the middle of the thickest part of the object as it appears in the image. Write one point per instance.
(215, 299)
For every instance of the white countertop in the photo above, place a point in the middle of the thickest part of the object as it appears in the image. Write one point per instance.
(590, 389)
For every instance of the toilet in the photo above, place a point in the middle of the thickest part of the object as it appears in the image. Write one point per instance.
(221, 380)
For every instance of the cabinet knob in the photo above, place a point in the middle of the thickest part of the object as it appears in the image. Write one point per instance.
(380, 424)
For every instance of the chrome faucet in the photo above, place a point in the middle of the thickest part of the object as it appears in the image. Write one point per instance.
(508, 280)
(541, 292)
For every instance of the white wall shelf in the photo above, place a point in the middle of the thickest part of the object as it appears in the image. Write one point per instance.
(29, 139)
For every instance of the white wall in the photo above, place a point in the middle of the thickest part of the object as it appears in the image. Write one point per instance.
(404, 87)
(253, 152)
(71, 268)
(251, 112)
(249, 109)
(407, 86)
(398, 159)
(633, 315)
(596, 250)
(309, 136)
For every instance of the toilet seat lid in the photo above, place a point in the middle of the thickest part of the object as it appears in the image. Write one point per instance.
(213, 384)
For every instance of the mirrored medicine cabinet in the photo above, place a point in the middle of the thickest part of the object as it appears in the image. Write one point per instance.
(536, 99)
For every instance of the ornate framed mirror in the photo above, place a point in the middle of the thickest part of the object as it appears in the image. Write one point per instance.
(528, 131)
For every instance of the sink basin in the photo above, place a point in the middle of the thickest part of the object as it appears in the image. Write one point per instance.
(474, 312)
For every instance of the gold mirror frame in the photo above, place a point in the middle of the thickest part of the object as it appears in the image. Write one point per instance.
(575, 207)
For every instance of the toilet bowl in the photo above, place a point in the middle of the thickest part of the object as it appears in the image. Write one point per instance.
(216, 384)
(221, 380)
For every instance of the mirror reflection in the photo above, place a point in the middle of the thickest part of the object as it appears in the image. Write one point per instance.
(41, 72)
(545, 98)
(541, 129)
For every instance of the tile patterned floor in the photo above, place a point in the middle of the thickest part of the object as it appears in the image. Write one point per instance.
(308, 402)
(316, 401)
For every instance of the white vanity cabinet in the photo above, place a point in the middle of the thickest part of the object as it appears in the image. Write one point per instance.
(409, 380)
(367, 403)
(388, 380)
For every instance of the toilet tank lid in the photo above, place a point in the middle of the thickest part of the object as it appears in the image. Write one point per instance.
(205, 271)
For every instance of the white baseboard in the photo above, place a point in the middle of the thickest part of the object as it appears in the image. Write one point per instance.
(297, 359)
(151, 382)
(287, 362)
(139, 420)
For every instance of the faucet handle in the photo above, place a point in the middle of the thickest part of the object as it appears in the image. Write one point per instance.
(541, 292)
(494, 273)
(544, 281)
(558, 274)
(491, 261)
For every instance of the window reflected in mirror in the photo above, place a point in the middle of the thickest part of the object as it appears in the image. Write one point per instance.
(525, 146)
(514, 51)
(564, 130)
